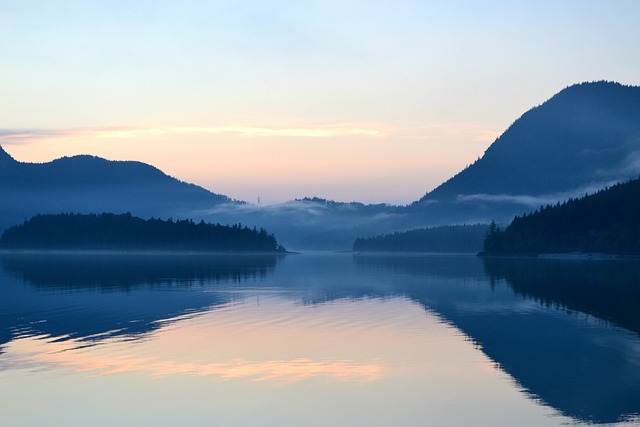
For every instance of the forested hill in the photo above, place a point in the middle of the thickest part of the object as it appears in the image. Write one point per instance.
(446, 239)
(126, 232)
(605, 222)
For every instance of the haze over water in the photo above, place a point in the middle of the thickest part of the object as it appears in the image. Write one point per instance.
(316, 339)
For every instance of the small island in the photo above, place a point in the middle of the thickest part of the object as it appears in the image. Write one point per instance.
(607, 222)
(108, 231)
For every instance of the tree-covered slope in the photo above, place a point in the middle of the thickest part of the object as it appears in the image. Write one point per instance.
(607, 221)
(445, 239)
(126, 232)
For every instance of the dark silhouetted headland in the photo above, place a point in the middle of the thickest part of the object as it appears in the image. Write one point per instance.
(126, 232)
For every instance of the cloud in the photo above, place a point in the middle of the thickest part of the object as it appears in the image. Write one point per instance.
(294, 213)
(631, 166)
(507, 198)
(249, 131)
(17, 136)
(307, 208)
(536, 201)
(474, 132)
(23, 136)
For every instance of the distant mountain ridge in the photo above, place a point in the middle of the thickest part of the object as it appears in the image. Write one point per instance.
(583, 138)
(88, 184)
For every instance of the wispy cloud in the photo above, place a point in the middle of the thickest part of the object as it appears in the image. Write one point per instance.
(537, 200)
(468, 131)
(249, 131)
(472, 132)
(17, 136)
(526, 200)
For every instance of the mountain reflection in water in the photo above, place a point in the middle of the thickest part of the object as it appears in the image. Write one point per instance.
(566, 332)
(609, 290)
(566, 349)
(121, 270)
(114, 294)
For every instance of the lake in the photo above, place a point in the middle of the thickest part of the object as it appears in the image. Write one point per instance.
(318, 339)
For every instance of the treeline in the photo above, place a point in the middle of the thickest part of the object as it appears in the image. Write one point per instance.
(605, 222)
(124, 231)
(448, 239)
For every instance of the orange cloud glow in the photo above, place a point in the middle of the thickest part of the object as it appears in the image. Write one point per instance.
(371, 162)
(22, 136)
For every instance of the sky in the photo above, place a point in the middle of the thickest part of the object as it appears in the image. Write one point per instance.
(371, 101)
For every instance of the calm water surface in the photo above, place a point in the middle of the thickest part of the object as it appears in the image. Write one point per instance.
(317, 340)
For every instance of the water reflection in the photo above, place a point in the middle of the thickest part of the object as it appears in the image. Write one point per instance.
(546, 323)
(36, 352)
(90, 297)
(64, 270)
(609, 290)
(566, 333)
(579, 364)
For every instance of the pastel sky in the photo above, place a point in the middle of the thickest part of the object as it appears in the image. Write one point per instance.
(374, 101)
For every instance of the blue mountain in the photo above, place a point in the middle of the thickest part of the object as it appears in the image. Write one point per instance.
(584, 138)
(88, 184)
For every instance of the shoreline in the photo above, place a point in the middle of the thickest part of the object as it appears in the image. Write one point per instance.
(569, 256)
(137, 252)
(409, 253)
